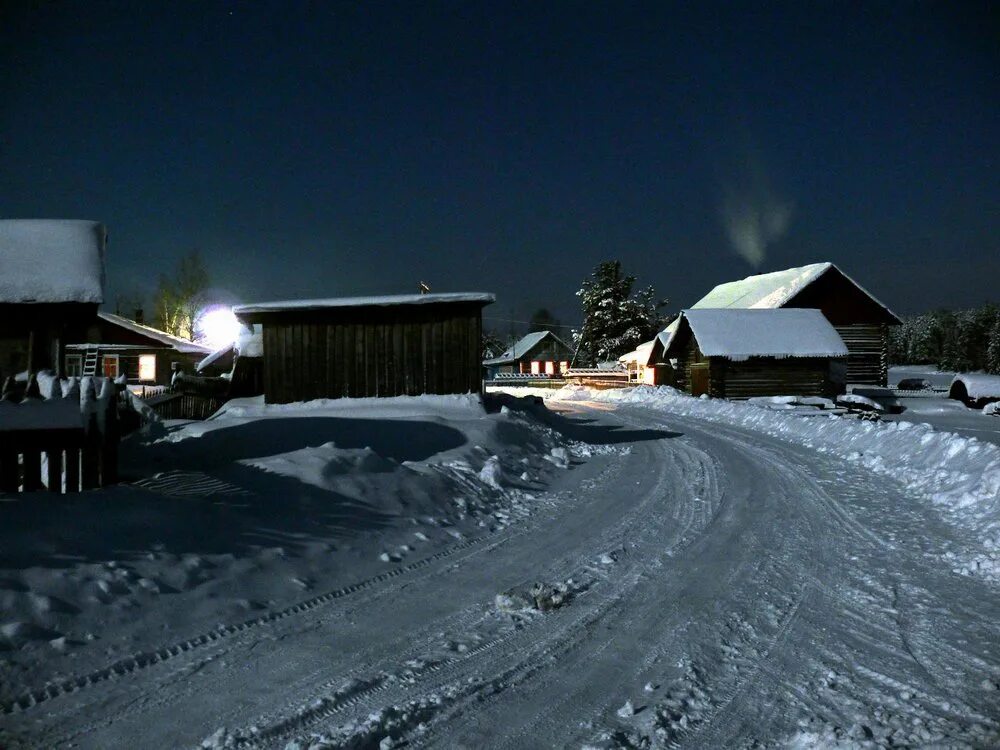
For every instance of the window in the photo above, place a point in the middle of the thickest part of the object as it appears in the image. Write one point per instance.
(110, 365)
(550, 368)
(147, 367)
(74, 365)
(536, 367)
(563, 366)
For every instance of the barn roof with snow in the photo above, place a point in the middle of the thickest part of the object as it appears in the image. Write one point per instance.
(51, 261)
(780, 289)
(155, 335)
(737, 335)
(529, 344)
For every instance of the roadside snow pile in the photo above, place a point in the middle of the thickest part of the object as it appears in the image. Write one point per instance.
(978, 385)
(960, 474)
(247, 511)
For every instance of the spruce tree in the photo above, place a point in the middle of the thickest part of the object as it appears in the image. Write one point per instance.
(615, 320)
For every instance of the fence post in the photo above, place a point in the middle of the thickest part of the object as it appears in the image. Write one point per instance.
(8, 469)
(55, 470)
(109, 441)
(91, 455)
(73, 468)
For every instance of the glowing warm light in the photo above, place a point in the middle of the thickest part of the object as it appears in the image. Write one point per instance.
(147, 367)
(216, 327)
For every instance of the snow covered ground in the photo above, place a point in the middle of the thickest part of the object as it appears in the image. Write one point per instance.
(633, 569)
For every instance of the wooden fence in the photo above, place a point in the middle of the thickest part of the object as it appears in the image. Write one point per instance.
(185, 405)
(61, 459)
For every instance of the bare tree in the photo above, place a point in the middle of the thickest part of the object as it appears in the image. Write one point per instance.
(179, 297)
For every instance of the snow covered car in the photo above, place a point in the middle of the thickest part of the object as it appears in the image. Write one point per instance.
(976, 390)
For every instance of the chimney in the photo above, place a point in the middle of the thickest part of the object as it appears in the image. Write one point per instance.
(138, 316)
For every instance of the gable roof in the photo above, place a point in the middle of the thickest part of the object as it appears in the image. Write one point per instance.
(161, 337)
(641, 355)
(740, 334)
(771, 290)
(524, 346)
(51, 261)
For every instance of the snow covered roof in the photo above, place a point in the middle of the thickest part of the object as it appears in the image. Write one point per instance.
(181, 345)
(51, 261)
(523, 346)
(640, 355)
(384, 301)
(215, 357)
(769, 290)
(740, 334)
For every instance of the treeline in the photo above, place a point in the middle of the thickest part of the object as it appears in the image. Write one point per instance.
(959, 341)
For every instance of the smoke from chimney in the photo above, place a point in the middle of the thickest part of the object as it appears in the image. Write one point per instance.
(753, 214)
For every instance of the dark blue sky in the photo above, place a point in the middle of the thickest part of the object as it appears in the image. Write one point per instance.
(322, 149)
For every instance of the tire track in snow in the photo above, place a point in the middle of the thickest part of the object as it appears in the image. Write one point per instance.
(300, 722)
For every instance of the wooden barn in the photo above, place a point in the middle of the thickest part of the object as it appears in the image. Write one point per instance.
(738, 354)
(537, 353)
(113, 345)
(860, 319)
(51, 284)
(370, 346)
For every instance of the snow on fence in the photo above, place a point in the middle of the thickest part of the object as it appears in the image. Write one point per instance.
(58, 434)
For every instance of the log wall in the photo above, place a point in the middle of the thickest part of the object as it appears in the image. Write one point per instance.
(868, 353)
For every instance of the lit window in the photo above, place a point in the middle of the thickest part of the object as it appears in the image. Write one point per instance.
(110, 365)
(536, 367)
(563, 366)
(550, 368)
(147, 367)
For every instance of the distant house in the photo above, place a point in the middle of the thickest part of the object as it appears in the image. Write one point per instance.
(860, 319)
(645, 364)
(743, 353)
(113, 345)
(370, 346)
(51, 284)
(538, 353)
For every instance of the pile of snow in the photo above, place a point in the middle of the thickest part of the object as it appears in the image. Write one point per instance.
(51, 260)
(979, 385)
(65, 403)
(255, 509)
(961, 475)
(250, 342)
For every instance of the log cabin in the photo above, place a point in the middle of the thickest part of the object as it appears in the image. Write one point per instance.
(739, 354)
(860, 319)
(400, 345)
(113, 345)
(538, 353)
(51, 284)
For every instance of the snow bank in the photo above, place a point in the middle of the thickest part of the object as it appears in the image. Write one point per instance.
(979, 385)
(51, 260)
(959, 474)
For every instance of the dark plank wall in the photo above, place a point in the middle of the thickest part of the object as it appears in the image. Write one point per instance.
(387, 352)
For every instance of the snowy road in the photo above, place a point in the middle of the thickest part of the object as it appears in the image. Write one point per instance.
(726, 589)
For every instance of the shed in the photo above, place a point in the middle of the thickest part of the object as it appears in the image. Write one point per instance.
(51, 284)
(744, 353)
(370, 346)
(645, 364)
(861, 320)
(113, 345)
(537, 353)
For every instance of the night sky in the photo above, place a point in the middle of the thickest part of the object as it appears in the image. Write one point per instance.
(327, 149)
